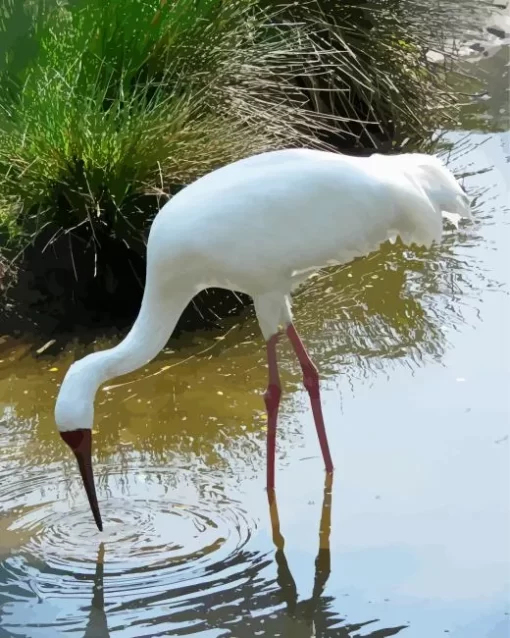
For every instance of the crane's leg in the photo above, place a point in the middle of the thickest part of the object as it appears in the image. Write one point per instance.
(311, 383)
(272, 401)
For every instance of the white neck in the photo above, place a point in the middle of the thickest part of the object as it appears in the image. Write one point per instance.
(153, 327)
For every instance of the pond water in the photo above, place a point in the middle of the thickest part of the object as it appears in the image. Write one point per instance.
(412, 536)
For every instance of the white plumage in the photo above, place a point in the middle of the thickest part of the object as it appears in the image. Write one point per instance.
(261, 226)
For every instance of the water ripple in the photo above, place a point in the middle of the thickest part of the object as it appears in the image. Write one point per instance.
(157, 548)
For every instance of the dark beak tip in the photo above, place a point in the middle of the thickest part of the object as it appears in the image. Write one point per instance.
(99, 521)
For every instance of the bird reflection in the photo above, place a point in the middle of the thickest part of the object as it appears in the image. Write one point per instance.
(97, 626)
(248, 609)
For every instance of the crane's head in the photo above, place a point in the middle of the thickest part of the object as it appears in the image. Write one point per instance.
(74, 416)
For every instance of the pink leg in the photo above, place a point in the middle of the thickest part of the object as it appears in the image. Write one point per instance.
(311, 383)
(272, 401)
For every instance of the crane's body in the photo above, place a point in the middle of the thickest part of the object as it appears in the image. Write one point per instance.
(262, 226)
(265, 223)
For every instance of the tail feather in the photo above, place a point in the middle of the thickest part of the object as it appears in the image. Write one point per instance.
(440, 185)
(427, 193)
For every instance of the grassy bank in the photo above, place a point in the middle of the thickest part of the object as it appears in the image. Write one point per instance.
(107, 107)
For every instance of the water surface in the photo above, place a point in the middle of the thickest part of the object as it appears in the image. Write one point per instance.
(410, 539)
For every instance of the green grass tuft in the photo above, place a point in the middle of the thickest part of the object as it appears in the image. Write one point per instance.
(120, 99)
(107, 105)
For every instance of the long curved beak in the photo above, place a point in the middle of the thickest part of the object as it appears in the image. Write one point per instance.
(80, 442)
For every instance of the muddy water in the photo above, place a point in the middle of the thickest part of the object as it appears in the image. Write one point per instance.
(411, 538)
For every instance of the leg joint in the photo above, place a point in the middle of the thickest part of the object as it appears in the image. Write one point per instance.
(272, 395)
(311, 378)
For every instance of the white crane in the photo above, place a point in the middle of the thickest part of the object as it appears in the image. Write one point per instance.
(262, 226)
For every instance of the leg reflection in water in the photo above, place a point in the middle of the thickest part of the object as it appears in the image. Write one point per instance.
(312, 618)
(97, 627)
(302, 617)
